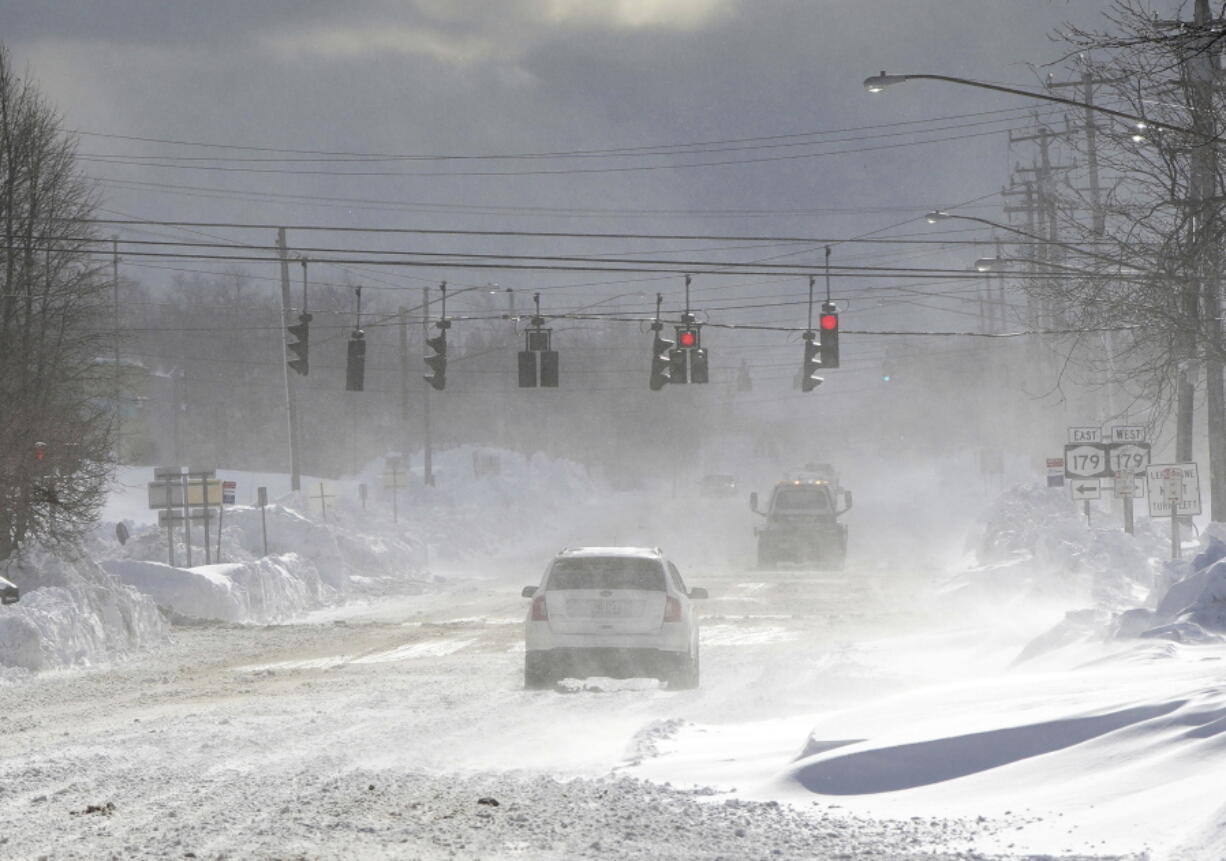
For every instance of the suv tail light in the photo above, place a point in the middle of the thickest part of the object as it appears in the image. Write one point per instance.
(539, 612)
(672, 609)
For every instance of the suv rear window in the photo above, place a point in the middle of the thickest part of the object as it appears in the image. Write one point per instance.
(606, 572)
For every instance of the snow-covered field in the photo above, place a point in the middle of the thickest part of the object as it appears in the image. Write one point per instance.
(360, 694)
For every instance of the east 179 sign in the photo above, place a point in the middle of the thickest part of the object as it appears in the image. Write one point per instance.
(1086, 460)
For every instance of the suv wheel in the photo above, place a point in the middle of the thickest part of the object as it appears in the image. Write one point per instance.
(537, 674)
(685, 676)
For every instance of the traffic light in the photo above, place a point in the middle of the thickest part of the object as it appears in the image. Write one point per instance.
(661, 361)
(549, 369)
(538, 344)
(689, 359)
(355, 364)
(813, 363)
(300, 347)
(438, 361)
(830, 335)
(698, 365)
(40, 451)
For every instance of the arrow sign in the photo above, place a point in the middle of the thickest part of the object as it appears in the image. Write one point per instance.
(1084, 489)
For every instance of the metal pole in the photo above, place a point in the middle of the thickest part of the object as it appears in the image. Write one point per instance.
(395, 493)
(187, 518)
(221, 515)
(1174, 532)
(170, 536)
(204, 493)
(295, 479)
(1128, 521)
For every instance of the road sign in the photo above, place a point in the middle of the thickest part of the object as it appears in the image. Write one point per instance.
(1055, 472)
(1129, 485)
(196, 495)
(1085, 435)
(1128, 456)
(166, 494)
(1084, 488)
(176, 517)
(1127, 433)
(227, 492)
(1174, 488)
(1086, 460)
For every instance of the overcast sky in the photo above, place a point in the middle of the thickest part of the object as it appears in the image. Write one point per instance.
(463, 77)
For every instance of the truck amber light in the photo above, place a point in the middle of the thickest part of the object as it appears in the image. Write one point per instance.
(672, 609)
(539, 612)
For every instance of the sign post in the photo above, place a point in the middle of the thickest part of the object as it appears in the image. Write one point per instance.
(392, 473)
(261, 495)
(1086, 461)
(165, 493)
(1174, 492)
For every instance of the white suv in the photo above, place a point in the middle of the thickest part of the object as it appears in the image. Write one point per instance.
(611, 611)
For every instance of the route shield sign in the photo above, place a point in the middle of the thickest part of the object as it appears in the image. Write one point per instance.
(1087, 460)
(1084, 488)
(1174, 488)
(1128, 456)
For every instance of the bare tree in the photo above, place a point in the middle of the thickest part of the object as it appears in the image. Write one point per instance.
(56, 389)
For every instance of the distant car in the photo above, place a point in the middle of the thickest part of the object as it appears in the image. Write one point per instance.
(622, 612)
(9, 593)
(717, 485)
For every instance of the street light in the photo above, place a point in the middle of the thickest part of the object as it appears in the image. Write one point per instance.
(999, 264)
(877, 83)
(937, 215)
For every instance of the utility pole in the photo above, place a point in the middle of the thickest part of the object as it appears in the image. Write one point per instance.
(427, 467)
(1200, 73)
(118, 373)
(295, 478)
(1098, 225)
(403, 320)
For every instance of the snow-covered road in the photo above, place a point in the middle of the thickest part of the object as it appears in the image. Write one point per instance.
(400, 729)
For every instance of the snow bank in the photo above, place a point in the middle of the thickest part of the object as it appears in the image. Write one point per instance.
(72, 612)
(1036, 546)
(265, 590)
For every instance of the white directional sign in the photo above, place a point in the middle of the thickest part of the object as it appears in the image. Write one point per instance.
(1084, 488)
(1128, 456)
(1128, 433)
(1129, 485)
(1086, 460)
(1085, 435)
(1174, 488)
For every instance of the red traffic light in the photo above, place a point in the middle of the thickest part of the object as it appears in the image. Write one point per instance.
(830, 322)
(687, 338)
(40, 450)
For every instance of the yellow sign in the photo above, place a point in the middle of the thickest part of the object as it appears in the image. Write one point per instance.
(195, 493)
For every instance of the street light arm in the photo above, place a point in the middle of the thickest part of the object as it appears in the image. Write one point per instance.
(939, 215)
(877, 83)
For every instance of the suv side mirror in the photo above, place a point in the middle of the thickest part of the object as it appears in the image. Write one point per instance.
(753, 502)
(698, 593)
(528, 591)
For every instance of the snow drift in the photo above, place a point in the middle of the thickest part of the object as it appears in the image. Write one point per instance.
(72, 612)
(265, 590)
